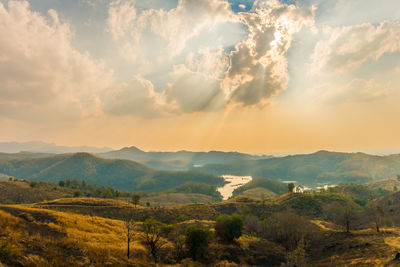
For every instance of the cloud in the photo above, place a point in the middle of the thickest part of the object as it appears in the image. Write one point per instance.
(250, 73)
(195, 85)
(350, 46)
(356, 91)
(258, 65)
(41, 75)
(175, 26)
(137, 97)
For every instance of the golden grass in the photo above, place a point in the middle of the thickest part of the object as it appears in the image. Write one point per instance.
(94, 241)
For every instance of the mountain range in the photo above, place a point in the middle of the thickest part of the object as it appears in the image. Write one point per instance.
(49, 148)
(133, 169)
(180, 160)
(322, 167)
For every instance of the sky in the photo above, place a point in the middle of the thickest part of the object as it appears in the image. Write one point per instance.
(274, 76)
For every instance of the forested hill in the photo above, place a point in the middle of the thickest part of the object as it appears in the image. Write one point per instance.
(313, 169)
(180, 160)
(121, 174)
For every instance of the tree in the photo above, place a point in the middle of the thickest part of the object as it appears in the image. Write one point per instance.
(178, 240)
(376, 213)
(253, 226)
(196, 241)
(61, 183)
(135, 199)
(290, 187)
(228, 228)
(344, 216)
(129, 224)
(152, 237)
(117, 194)
(287, 228)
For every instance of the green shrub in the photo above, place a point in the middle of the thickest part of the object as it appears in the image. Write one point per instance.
(196, 241)
(228, 228)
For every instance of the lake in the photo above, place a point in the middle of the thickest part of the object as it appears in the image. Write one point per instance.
(233, 183)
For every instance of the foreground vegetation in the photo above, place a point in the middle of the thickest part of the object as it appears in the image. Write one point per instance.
(319, 229)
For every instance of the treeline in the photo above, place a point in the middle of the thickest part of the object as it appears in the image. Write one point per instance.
(188, 241)
(93, 190)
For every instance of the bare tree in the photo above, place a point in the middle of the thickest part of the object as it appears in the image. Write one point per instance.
(288, 229)
(129, 224)
(152, 237)
(376, 213)
(345, 215)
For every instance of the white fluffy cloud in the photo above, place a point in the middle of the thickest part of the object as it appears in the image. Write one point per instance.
(211, 77)
(175, 26)
(350, 46)
(41, 74)
(258, 65)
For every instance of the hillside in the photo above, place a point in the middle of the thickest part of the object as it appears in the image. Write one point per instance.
(120, 174)
(259, 186)
(180, 160)
(315, 169)
(25, 192)
(386, 184)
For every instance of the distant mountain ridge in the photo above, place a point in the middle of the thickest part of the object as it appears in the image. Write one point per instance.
(180, 160)
(42, 147)
(121, 174)
(322, 167)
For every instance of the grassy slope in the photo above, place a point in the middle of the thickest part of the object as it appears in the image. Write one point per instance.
(169, 199)
(257, 192)
(121, 174)
(314, 206)
(48, 238)
(22, 192)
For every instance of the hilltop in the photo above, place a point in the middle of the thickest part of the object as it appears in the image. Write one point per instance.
(120, 174)
(261, 187)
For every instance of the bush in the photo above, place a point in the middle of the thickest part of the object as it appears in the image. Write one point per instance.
(196, 241)
(228, 228)
(77, 193)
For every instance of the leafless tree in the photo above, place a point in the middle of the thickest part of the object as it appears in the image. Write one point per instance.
(376, 213)
(129, 224)
(288, 229)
